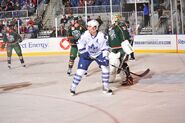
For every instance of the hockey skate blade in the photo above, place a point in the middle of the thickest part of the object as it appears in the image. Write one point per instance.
(105, 92)
(71, 94)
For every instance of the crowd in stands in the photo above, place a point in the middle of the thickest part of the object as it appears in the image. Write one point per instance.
(29, 26)
(12, 5)
(66, 22)
(79, 3)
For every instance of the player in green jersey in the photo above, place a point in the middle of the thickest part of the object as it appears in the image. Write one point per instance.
(74, 32)
(12, 39)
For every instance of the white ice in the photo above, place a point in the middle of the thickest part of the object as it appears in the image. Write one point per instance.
(39, 93)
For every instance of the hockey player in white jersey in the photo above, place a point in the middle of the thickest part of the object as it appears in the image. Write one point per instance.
(92, 46)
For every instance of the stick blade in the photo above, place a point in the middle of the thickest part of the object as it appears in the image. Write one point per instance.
(142, 74)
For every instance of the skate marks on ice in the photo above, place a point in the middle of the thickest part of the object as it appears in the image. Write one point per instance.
(38, 63)
(23, 85)
(14, 86)
(118, 83)
(161, 83)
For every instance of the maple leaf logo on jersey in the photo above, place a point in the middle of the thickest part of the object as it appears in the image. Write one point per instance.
(92, 49)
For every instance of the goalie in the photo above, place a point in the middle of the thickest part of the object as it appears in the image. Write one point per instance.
(117, 37)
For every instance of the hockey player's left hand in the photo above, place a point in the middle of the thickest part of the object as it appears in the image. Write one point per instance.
(106, 61)
(103, 61)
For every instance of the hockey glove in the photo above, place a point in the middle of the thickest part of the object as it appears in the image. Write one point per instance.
(105, 61)
(3, 46)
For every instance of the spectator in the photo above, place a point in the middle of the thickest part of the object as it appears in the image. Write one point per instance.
(106, 2)
(17, 6)
(25, 6)
(98, 2)
(160, 11)
(5, 22)
(62, 31)
(20, 21)
(1, 26)
(169, 30)
(81, 3)
(13, 21)
(90, 2)
(146, 15)
(23, 29)
(3, 4)
(116, 2)
(81, 22)
(30, 22)
(53, 33)
(32, 30)
(74, 3)
(38, 22)
(88, 18)
(9, 6)
(64, 20)
(99, 20)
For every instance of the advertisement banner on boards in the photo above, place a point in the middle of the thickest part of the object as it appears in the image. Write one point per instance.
(155, 42)
(45, 45)
(181, 43)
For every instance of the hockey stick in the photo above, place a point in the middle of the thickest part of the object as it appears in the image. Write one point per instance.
(139, 75)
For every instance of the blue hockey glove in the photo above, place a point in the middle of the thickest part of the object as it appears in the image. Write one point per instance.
(105, 61)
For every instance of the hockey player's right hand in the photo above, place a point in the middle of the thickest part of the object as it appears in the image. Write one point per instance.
(3, 46)
(85, 55)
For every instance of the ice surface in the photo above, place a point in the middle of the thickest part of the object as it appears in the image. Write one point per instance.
(39, 93)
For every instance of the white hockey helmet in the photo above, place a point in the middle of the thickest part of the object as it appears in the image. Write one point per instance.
(93, 23)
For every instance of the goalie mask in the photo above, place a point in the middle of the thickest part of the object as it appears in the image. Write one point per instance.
(116, 18)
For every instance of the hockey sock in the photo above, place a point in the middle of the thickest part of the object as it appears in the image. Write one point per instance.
(9, 60)
(71, 63)
(105, 76)
(77, 78)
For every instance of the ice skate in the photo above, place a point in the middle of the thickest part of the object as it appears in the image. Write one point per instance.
(132, 59)
(69, 71)
(128, 81)
(9, 66)
(23, 65)
(72, 92)
(107, 91)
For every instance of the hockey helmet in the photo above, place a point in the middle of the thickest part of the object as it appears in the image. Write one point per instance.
(116, 18)
(93, 23)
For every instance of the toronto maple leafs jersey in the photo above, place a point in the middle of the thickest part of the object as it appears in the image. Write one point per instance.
(94, 45)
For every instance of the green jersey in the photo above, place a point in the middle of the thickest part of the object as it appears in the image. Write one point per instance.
(74, 34)
(116, 36)
(12, 37)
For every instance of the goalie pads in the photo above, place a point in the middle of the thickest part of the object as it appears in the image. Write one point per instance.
(127, 48)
